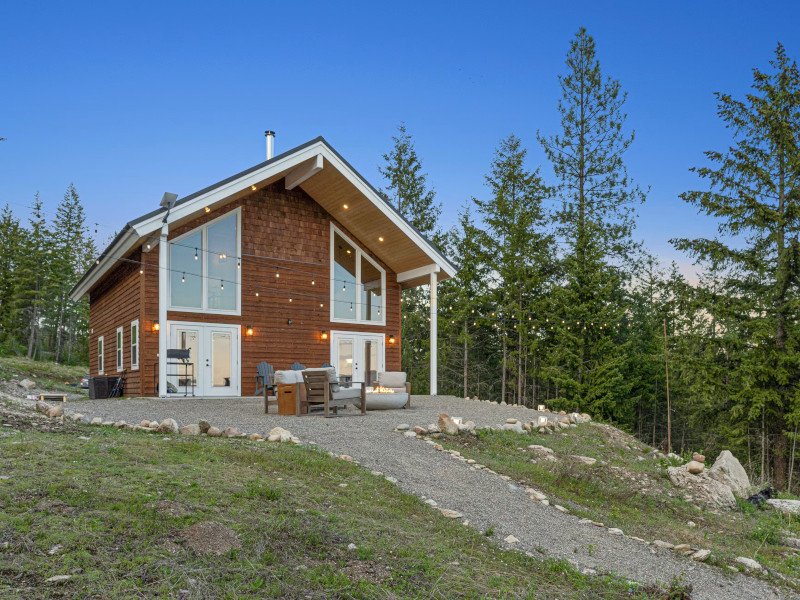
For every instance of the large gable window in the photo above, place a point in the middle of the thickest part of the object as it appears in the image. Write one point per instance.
(203, 267)
(358, 284)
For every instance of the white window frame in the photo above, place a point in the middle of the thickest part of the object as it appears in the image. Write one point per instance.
(101, 359)
(120, 352)
(359, 285)
(204, 271)
(135, 345)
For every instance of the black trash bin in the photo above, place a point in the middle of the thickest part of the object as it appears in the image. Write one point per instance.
(100, 387)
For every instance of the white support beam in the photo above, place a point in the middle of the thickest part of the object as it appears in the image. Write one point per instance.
(416, 273)
(163, 279)
(434, 332)
(303, 171)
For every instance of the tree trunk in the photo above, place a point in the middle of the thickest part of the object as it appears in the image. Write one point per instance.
(503, 383)
(466, 357)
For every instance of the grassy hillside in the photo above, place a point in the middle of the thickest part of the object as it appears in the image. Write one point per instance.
(629, 490)
(48, 376)
(109, 512)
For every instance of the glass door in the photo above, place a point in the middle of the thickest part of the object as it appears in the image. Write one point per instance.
(220, 362)
(183, 375)
(358, 357)
(344, 358)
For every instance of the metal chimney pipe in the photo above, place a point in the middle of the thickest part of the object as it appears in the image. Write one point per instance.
(270, 142)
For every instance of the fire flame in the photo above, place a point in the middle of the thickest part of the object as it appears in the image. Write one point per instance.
(382, 390)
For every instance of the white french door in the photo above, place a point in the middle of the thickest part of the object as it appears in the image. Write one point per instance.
(213, 356)
(358, 357)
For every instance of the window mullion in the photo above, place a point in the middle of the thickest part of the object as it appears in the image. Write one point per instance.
(358, 283)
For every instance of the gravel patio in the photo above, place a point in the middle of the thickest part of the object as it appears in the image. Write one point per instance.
(482, 498)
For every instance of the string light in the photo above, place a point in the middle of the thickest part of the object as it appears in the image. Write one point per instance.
(221, 285)
(290, 297)
(183, 278)
(312, 280)
(239, 264)
(277, 272)
(256, 292)
(195, 254)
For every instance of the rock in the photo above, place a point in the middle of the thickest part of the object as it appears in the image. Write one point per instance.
(56, 411)
(403, 427)
(729, 471)
(699, 457)
(144, 423)
(681, 548)
(536, 495)
(411, 434)
(469, 427)
(543, 452)
(434, 428)
(662, 544)
(344, 457)
(510, 539)
(691, 524)
(709, 491)
(450, 514)
(787, 507)
(748, 563)
(58, 578)
(586, 418)
(793, 542)
(255, 437)
(55, 549)
(391, 479)
(213, 432)
(193, 429)
(168, 426)
(210, 537)
(615, 531)
(77, 417)
(42, 407)
(26, 383)
(230, 432)
(120, 424)
(279, 434)
(560, 508)
(511, 421)
(96, 421)
(516, 427)
(107, 423)
(420, 430)
(701, 555)
(586, 460)
(352, 546)
(695, 467)
(447, 425)
(204, 426)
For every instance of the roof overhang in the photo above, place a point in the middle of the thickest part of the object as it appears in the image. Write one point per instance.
(325, 176)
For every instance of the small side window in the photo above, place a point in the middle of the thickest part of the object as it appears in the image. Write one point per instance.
(100, 358)
(135, 345)
(120, 335)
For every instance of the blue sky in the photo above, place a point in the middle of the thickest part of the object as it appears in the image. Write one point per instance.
(131, 100)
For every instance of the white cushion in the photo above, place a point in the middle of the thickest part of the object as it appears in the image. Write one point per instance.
(285, 377)
(346, 394)
(393, 379)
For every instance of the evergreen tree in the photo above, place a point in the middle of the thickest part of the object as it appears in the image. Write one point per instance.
(521, 253)
(11, 234)
(407, 189)
(754, 190)
(595, 222)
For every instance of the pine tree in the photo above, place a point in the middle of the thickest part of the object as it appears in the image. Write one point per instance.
(407, 189)
(595, 223)
(11, 234)
(754, 190)
(520, 255)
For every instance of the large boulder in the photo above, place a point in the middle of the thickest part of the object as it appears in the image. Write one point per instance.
(447, 425)
(279, 434)
(168, 426)
(729, 471)
(204, 426)
(787, 507)
(516, 427)
(56, 411)
(695, 467)
(193, 429)
(709, 491)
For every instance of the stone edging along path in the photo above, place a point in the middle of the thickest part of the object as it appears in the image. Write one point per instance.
(481, 498)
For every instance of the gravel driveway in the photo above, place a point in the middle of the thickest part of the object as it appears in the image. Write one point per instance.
(483, 498)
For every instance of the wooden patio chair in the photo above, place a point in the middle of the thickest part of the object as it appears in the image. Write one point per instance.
(265, 384)
(319, 393)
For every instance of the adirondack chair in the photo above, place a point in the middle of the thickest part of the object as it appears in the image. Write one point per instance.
(296, 366)
(319, 393)
(265, 384)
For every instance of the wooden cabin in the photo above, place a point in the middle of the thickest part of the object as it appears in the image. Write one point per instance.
(297, 259)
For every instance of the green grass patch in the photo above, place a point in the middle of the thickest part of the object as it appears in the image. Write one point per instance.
(47, 375)
(628, 490)
(109, 512)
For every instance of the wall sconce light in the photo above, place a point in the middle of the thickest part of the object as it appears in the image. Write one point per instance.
(249, 330)
(156, 326)
(391, 338)
(324, 334)
(542, 408)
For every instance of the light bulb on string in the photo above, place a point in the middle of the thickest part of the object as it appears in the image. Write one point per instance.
(183, 278)
(141, 270)
(239, 263)
(290, 297)
(256, 292)
(312, 280)
(195, 253)
(351, 307)
(277, 272)
(221, 285)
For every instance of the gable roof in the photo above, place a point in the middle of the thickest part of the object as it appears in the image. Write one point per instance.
(331, 181)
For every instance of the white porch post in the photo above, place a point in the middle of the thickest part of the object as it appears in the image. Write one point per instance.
(163, 279)
(434, 331)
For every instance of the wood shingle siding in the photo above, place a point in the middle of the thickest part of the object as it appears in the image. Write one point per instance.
(275, 223)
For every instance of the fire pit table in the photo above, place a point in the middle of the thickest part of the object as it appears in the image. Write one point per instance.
(382, 399)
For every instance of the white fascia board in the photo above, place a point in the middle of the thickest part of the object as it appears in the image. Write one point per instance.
(367, 191)
(418, 272)
(107, 262)
(187, 209)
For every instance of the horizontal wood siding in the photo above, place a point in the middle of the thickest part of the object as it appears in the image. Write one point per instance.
(287, 225)
(115, 303)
